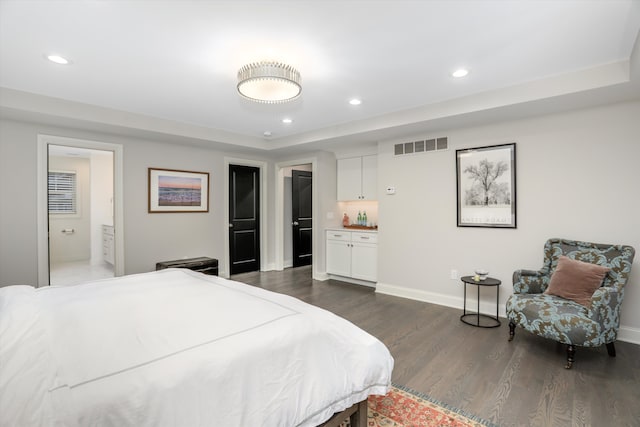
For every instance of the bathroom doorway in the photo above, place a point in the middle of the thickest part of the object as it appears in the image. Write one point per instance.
(80, 214)
(79, 199)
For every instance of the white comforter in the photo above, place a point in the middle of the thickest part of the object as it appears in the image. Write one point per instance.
(177, 348)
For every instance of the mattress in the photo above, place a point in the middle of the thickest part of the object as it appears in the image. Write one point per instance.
(178, 348)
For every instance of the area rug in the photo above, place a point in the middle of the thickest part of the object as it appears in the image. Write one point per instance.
(402, 407)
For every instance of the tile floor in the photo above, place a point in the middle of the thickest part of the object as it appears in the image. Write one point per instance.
(71, 273)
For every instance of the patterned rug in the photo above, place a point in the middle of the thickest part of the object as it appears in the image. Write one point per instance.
(402, 407)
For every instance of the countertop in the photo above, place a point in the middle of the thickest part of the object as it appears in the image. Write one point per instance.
(350, 230)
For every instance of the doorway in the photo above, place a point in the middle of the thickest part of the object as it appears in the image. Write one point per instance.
(301, 216)
(80, 213)
(282, 230)
(244, 219)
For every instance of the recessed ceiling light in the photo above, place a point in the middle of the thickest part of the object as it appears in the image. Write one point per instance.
(267, 133)
(355, 101)
(287, 120)
(58, 59)
(461, 72)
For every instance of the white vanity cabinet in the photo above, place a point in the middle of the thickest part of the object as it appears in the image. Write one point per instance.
(358, 178)
(352, 254)
(107, 244)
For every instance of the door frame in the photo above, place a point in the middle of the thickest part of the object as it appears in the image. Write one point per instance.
(43, 205)
(262, 166)
(279, 212)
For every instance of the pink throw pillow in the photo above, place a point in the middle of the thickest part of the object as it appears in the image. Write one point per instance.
(576, 280)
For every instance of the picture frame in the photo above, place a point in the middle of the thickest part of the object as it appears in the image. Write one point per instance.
(172, 190)
(486, 186)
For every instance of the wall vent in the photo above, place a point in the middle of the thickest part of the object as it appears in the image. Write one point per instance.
(423, 146)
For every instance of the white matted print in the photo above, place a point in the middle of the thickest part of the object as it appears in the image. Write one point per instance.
(486, 184)
(178, 191)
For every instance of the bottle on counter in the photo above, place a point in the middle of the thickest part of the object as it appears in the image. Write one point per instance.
(345, 220)
(364, 218)
(359, 218)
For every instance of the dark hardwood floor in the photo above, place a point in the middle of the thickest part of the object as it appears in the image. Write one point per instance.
(519, 383)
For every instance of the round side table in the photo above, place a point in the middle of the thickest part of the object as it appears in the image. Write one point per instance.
(474, 319)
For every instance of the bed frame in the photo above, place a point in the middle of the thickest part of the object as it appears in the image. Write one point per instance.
(357, 415)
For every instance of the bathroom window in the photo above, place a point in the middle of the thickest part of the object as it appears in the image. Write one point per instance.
(62, 192)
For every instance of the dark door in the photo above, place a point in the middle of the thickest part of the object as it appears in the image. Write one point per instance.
(244, 219)
(301, 217)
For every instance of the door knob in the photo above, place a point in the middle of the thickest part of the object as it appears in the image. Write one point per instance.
(230, 225)
(295, 223)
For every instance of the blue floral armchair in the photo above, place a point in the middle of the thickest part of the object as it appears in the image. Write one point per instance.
(564, 320)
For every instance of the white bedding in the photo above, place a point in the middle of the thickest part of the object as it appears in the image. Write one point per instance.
(178, 348)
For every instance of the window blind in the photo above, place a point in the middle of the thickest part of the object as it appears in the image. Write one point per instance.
(62, 192)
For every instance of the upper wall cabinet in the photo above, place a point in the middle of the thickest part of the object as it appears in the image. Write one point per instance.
(358, 178)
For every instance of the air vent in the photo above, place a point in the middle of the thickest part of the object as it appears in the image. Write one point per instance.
(434, 144)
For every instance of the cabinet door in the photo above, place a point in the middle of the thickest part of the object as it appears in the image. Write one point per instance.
(370, 178)
(350, 178)
(364, 261)
(339, 257)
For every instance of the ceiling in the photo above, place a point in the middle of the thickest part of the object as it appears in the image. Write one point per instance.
(168, 68)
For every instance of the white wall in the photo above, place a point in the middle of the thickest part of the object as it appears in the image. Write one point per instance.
(149, 238)
(577, 178)
(101, 200)
(18, 226)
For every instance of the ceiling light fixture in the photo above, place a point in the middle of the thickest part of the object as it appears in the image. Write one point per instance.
(460, 73)
(355, 101)
(269, 82)
(58, 59)
(287, 120)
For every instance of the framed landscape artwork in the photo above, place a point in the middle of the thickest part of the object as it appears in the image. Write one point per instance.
(178, 191)
(486, 184)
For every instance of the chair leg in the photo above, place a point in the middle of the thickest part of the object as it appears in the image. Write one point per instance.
(512, 330)
(611, 349)
(571, 352)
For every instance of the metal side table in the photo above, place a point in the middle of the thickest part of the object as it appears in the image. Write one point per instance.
(474, 319)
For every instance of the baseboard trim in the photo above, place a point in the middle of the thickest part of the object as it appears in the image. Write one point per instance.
(629, 334)
(320, 276)
(436, 298)
(352, 280)
(625, 333)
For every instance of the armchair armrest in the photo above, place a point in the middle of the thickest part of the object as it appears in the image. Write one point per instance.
(605, 307)
(530, 281)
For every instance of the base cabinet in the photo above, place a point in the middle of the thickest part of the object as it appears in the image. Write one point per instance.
(108, 252)
(352, 254)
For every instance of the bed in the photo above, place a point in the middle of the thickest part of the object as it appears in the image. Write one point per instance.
(179, 348)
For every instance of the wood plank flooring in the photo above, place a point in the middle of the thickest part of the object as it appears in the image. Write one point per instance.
(522, 383)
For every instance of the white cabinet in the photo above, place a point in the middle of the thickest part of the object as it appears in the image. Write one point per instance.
(358, 178)
(107, 244)
(339, 253)
(352, 254)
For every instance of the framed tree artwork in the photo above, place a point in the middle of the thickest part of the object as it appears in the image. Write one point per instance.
(486, 185)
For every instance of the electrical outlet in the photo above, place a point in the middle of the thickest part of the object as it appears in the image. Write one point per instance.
(454, 274)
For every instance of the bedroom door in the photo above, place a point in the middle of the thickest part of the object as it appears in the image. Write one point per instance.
(301, 217)
(244, 219)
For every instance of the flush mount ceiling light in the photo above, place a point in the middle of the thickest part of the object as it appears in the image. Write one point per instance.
(355, 101)
(269, 82)
(461, 72)
(58, 59)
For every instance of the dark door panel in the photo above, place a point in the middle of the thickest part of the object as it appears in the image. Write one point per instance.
(302, 216)
(244, 219)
